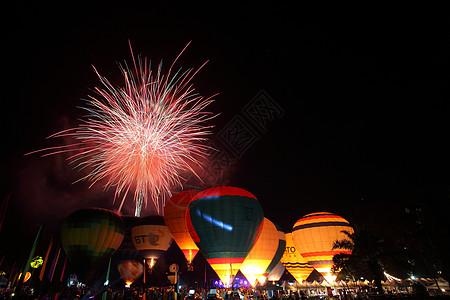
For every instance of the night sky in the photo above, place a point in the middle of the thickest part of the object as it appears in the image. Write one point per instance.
(363, 131)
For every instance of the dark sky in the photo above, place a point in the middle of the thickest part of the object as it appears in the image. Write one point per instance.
(365, 101)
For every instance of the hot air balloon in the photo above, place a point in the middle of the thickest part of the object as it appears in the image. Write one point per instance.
(314, 235)
(175, 219)
(223, 222)
(276, 272)
(277, 257)
(130, 271)
(294, 262)
(260, 257)
(151, 237)
(89, 237)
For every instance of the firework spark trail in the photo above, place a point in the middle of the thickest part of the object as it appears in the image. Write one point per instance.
(141, 136)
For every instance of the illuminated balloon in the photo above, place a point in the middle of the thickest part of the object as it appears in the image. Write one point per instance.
(151, 237)
(89, 237)
(314, 235)
(223, 222)
(277, 257)
(36, 262)
(130, 271)
(175, 219)
(260, 257)
(277, 272)
(294, 262)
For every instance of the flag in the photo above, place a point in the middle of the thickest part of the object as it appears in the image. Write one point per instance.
(41, 275)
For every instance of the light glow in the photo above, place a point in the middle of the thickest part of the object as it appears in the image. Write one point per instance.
(214, 221)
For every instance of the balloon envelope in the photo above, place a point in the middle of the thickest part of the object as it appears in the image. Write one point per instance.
(89, 237)
(280, 250)
(264, 249)
(130, 270)
(278, 254)
(314, 235)
(175, 219)
(294, 262)
(223, 222)
(277, 272)
(151, 237)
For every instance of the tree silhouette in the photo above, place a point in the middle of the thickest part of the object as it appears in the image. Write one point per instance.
(367, 256)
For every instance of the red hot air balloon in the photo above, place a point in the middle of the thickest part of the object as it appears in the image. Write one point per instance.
(175, 219)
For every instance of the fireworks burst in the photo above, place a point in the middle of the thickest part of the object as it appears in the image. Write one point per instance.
(141, 136)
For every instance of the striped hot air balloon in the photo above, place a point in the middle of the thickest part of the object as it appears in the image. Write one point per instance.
(314, 235)
(294, 262)
(223, 222)
(89, 237)
(175, 219)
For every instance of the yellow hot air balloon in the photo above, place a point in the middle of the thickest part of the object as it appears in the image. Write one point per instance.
(175, 219)
(264, 249)
(314, 235)
(294, 262)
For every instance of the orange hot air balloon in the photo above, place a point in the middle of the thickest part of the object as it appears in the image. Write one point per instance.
(175, 219)
(314, 235)
(130, 271)
(294, 262)
(276, 259)
(262, 253)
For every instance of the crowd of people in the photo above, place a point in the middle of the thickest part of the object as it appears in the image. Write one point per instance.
(185, 293)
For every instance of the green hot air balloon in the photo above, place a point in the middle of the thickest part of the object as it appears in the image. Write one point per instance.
(224, 222)
(89, 238)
